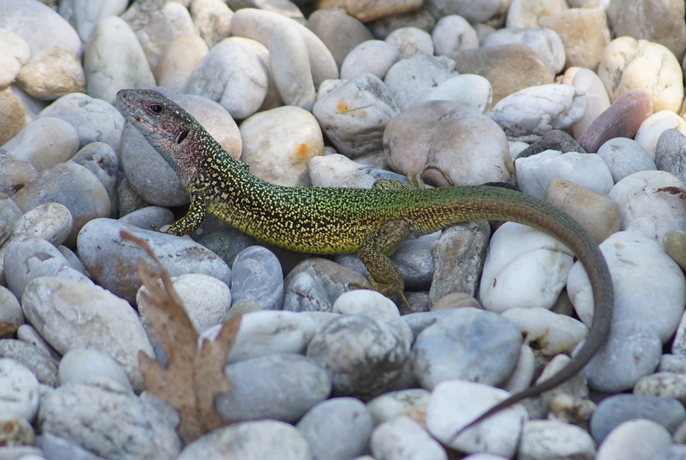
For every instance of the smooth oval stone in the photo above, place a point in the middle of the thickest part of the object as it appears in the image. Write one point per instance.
(529, 113)
(662, 384)
(674, 243)
(541, 438)
(340, 32)
(37, 360)
(525, 14)
(335, 170)
(467, 344)
(472, 91)
(639, 266)
(634, 438)
(250, 441)
(12, 116)
(372, 56)
(616, 409)
(366, 10)
(259, 24)
(146, 217)
(15, 53)
(10, 310)
(71, 185)
(277, 386)
(394, 404)
(337, 428)
(361, 355)
(546, 331)
(84, 14)
(94, 119)
(108, 423)
(114, 60)
(19, 395)
(62, 446)
(84, 365)
(89, 317)
(545, 42)
(52, 73)
(257, 276)
(410, 40)
(405, 438)
(279, 143)
(630, 64)
(597, 100)
(651, 129)
(181, 57)
(669, 153)
(334, 278)
(290, 67)
(625, 156)
(419, 18)
(107, 256)
(646, 212)
(453, 33)
(509, 68)
(15, 174)
(100, 159)
(39, 25)
(44, 143)
(305, 293)
(445, 134)
(455, 403)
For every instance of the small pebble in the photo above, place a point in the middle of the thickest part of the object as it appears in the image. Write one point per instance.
(12, 116)
(372, 56)
(57, 445)
(526, 14)
(101, 159)
(624, 157)
(52, 73)
(15, 53)
(597, 100)
(410, 40)
(651, 129)
(44, 143)
(403, 438)
(340, 32)
(38, 361)
(83, 365)
(674, 243)
(257, 275)
(546, 42)
(420, 18)
(290, 67)
(636, 439)
(366, 10)
(546, 331)
(453, 33)
(16, 431)
(181, 57)
(19, 395)
(394, 404)
(10, 310)
(553, 439)
(212, 19)
(669, 154)
(662, 384)
(472, 91)
(336, 170)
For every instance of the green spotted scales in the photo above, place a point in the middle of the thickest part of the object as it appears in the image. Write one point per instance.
(371, 222)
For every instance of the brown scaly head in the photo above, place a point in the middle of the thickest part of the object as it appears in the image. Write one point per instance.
(165, 125)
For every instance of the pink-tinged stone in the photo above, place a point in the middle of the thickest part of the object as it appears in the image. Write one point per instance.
(621, 119)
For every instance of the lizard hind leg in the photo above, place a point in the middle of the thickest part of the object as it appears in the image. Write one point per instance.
(374, 251)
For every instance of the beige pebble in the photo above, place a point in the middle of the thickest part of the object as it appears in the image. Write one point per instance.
(628, 64)
(525, 14)
(597, 213)
(52, 73)
(368, 10)
(14, 52)
(674, 243)
(12, 116)
(584, 33)
(212, 18)
(456, 300)
(178, 62)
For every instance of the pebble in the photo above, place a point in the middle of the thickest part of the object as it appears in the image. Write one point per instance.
(372, 56)
(35, 358)
(305, 293)
(624, 157)
(546, 42)
(16, 431)
(472, 91)
(340, 32)
(83, 15)
(528, 114)
(674, 243)
(596, 212)
(235, 73)
(205, 299)
(290, 67)
(10, 310)
(57, 446)
(336, 170)
(637, 439)
(425, 135)
(268, 332)
(454, 403)
(149, 175)
(629, 64)
(52, 73)
(277, 386)
(420, 18)
(212, 19)
(394, 404)
(337, 429)
(597, 100)
(12, 116)
(89, 317)
(114, 60)
(250, 441)
(19, 395)
(584, 34)
(526, 14)
(94, 119)
(279, 143)
(362, 355)
(146, 217)
(453, 33)
(656, 124)
(509, 68)
(84, 365)
(553, 439)
(638, 266)
(334, 278)
(257, 276)
(39, 25)
(44, 143)
(108, 422)
(355, 114)
(622, 119)
(668, 153)
(662, 384)
(467, 344)
(403, 438)
(410, 40)
(183, 54)
(546, 331)
(100, 159)
(617, 409)
(15, 53)
(15, 174)
(656, 22)
(366, 10)
(551, 140)
(259, 24)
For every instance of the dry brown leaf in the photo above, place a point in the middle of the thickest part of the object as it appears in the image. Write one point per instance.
(7, 330)
(194, 375)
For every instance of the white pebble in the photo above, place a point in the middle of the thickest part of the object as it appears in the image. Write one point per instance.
(553, 333)
(44, 143)
(473, 91)
(650, 130)
(373, 56)
(546, 42)
(410, 40)
(637, 439)
(19, 395)
(404, 439)
(290, 66)
(597, 100)
(84, 365)
(543, 439)
(453, 33)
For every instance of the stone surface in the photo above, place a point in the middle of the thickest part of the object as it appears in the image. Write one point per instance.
(669, 153)
(640, 439)
(410, 41)
(19, 395)
(624, 157)
(44, 143)
(180, 58)
(84, 365)
(546, 42)
(551, 438)
(340, 32)
(12, 116)
(453, 33)
(597, 100)
(527, 13)
(52, 73)
(405, 438)
(290, 67)
(372, 56)
(367, 10)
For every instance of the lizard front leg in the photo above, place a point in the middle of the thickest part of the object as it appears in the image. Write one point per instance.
(193, 219)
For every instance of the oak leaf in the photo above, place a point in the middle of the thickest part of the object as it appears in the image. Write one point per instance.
(195, 374)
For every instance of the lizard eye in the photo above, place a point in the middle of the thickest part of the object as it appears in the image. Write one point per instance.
(156, 109)
(182, 136)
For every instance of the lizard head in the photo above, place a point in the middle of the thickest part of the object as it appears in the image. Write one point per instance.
(166, 126)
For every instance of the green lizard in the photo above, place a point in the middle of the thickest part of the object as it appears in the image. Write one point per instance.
(371, 222)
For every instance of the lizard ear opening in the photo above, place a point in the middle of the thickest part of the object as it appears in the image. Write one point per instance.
(182, 136)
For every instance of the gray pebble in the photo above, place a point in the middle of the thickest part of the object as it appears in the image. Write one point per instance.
(616, 409)
(404, 439)
(420, 18)
(101, 159)
(113, 263)
(625, 156)
(225, 241)
(27, 333)
(108, 423)
(10, 310)
(334, 278)
(336, 170)
(45, 142)
(362, 355)
(453, 33)
(277, 386)
(410, 41)
(257, 276)
(672, 363)
(340, 32)
(84, 365)
(34, 358)
(337, 429)
(669, 153)
(73, 260)
(546, 42)
(305, 293)
(290, 67)
(146, 217)
(59, 448)
(372, 56)
(15, 174)
(467, 344)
